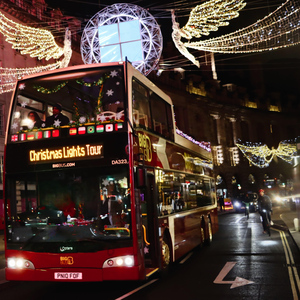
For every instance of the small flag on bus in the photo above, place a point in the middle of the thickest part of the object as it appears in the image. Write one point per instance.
(99, 128)
(30, 136)
(14, 138)
(55, 133)
(47, 134)
(118, 126)
(91, 129)
(81, 130)
(109, 127)
(39, 135)
(73, 131)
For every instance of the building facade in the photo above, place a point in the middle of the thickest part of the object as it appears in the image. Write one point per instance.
(225, 116)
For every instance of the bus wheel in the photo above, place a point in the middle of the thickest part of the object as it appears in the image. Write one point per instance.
(165, 255)
(209, 232)
(202, 236)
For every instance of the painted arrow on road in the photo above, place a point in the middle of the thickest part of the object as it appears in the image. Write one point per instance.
(238, 280)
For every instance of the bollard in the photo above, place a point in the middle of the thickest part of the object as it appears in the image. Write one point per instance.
(296, 224)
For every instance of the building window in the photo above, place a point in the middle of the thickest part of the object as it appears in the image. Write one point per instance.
(218, 156)
(229, 133)
(234, 156)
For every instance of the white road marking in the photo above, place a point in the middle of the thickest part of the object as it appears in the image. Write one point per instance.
(136, 290)
(238, 280)
(293, 273)
(186, 258)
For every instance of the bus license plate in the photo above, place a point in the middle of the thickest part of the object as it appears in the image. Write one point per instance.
(68, 276)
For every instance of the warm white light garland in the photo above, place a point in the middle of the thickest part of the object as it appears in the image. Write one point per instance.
(35, 42)
(260, 155)
(277, 30)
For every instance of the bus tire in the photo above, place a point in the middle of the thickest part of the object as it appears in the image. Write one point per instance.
(208, 239)
(166, 255)
(202, 233)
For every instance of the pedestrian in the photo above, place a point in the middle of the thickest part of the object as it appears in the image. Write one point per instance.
(221, 203)
(264, 208)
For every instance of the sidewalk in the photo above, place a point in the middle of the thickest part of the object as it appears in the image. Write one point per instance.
(283, 219)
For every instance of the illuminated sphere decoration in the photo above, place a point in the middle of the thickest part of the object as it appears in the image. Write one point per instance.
(119, 31)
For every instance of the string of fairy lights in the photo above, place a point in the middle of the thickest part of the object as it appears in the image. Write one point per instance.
(35, 42)
(260, 155)
(277, 30)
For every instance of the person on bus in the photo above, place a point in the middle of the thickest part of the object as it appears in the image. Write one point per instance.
(264, 207)
(57, 119)
(35, 118)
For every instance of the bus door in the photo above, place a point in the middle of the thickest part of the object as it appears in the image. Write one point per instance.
(150, 222)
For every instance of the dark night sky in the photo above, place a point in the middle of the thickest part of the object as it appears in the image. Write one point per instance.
(280, 66)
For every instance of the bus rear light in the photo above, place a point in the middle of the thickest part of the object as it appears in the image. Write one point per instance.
(19, 263)
(120, 261)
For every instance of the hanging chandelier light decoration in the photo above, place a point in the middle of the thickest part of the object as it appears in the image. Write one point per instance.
(279, 29)
(34, 42)
(260, 155)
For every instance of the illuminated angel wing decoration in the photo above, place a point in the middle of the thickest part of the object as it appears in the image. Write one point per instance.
(261, 156)
(211, 15)
(35, 42)
(176, 36)
(279, 29)
(203, 19)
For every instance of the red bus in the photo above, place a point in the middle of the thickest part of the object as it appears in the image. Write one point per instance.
(103, 187)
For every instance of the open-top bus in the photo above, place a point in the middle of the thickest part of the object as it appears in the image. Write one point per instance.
(116, 193)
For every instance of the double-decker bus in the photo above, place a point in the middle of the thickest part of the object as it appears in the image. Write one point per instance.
(99, 185)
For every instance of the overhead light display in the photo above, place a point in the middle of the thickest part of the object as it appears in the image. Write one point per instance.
(277, 30)
(260, 155)
(35, 42)
(119, 31)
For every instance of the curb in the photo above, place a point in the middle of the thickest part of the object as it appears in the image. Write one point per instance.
(280, 227)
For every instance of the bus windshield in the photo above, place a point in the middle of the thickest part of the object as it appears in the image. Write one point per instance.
(87, 96)
(68, 206)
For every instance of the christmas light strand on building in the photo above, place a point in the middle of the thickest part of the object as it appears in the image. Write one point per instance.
(205, 145)
(261, 155)
(10, 76)
(277, 30)
(35, 42)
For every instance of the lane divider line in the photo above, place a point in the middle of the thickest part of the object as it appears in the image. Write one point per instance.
(292, 271)
(136, 290)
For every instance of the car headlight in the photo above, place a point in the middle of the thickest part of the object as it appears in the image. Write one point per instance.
(237, 204)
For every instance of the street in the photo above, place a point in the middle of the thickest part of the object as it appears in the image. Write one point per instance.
(241, 263)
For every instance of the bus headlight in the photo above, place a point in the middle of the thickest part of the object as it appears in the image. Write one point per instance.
(120, 261)
(19, 263)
